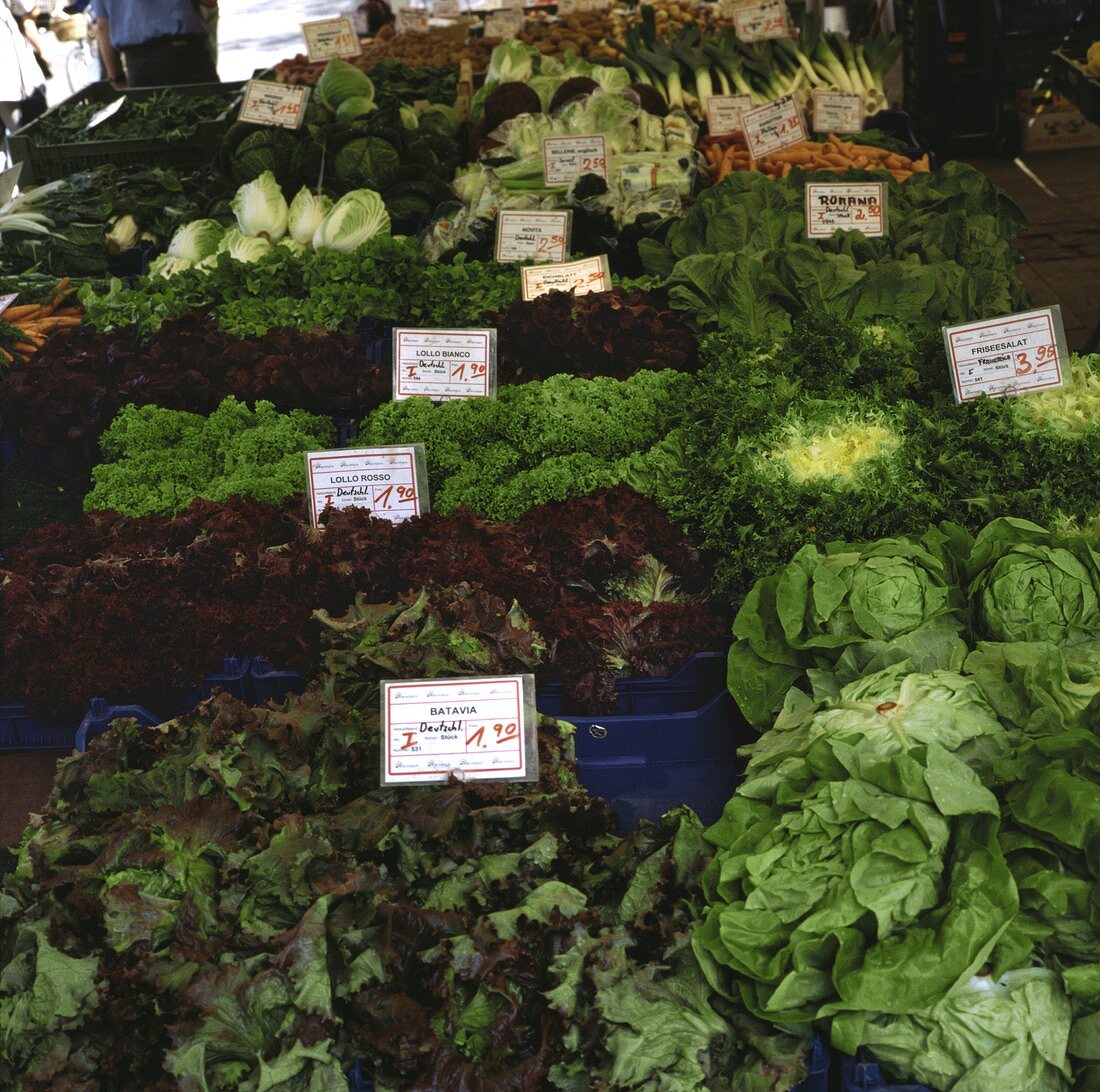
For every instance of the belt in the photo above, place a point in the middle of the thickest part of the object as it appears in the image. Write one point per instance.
(156, 43)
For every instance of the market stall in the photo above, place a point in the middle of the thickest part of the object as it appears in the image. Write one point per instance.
(566, 559)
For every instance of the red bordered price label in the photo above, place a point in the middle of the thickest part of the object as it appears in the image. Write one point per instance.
(579, 277)
(567, 158)
(329, 38)
(446, 9)
(444, 365)
(411, 20)
(391, 482)
(838, 112)
(774, 126)
(480, 729)
(762, 21)
(533, 236)
(724, 114)
(1007, 356)
(845, 206)
(267, 103)
(503, 24)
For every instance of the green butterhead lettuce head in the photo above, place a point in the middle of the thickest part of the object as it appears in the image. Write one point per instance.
(836, 612)
(1008, 1034)
(261, 208)
(1028, 584)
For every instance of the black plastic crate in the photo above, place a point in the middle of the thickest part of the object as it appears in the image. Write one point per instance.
(1082, 89)
(46, 162)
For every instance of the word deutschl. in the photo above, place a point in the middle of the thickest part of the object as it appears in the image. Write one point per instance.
(391, 482)
(1008, 356)
(444, 365)
(533, 236)
(845, 206)
(478, 729)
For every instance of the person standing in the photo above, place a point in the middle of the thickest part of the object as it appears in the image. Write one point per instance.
(22, 84)
(154, 43)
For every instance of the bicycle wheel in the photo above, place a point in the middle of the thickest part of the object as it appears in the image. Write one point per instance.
(81, 64)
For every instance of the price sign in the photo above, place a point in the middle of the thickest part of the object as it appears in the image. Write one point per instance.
(267, 103)
(533, 236)
(329, 38)
(838, 112)
(7, 301)
(1008, 356)
(411, 20)
(580, 277)
(567, 158)
(391, 481)
(724, 113)
(478, 729)
(845, 206)
(108, 111)
(775, 125)
(444, 364)
(503, 24)
(359, 21)
(446, 9)
(762, 21)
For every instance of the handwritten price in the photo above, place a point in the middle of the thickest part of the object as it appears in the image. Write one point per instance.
(477, 371)
(504, 733)
(405, 494)
(1045, 354)
(592, 163)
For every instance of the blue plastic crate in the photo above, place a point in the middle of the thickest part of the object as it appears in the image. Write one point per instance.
(100, 715)
(267, 684)
(703, 676)
(10, 444)
(233, 678)
(860, 1075)
(19, 731)
(818, 1062)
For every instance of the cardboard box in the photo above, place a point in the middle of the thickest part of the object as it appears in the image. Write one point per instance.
(1057, 131)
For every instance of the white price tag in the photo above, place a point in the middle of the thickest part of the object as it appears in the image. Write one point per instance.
(580, 277)
(391, 481)
(724, 113)
(533, 236)
(108, 111)
(567, 158)
(773, 126)
(446, 9)
(476, 729)
(330, 38)
(444, 364)
(503, 24)
(1008, 356)
(268, 103)
(762, 21)
(411, 20)
(838, 112)
(7, 301)
(845, 206)
(359, 21)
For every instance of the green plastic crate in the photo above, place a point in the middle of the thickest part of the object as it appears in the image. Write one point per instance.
(45, 162)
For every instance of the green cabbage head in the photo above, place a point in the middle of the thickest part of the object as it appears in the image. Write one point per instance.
(355, 218)
(833, 613)
(196, 240)
(261, 208)
(1028, 584)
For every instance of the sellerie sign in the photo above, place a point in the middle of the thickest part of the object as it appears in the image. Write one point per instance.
(267, 103)
(330, 38)
(475, 729)
(567, 158)
(774, 126)
(391, 482)
(845, 206)
(1007, 356)
(533, 236)
(444, 364)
